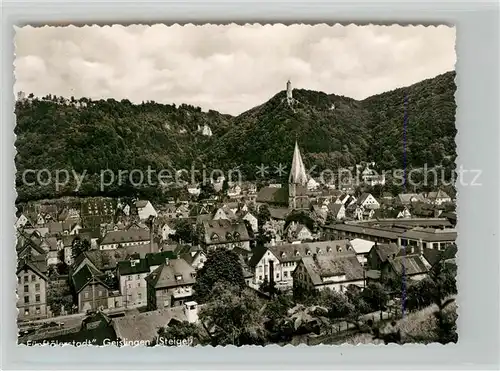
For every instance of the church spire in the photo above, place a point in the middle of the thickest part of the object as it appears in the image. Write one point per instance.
(298, 172)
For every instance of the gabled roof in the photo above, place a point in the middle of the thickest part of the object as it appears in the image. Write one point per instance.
(324, 266)
(85, 275)
(273, 195)
(409, 264)
(295, 252)
(165, 275)
(154, 259)
(132, 266)
(279, 213)
(223, 231)
(129, 235)
(141, 203)
(384, 251)
(38, 267)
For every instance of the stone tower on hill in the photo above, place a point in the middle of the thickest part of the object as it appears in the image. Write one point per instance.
(297, 183)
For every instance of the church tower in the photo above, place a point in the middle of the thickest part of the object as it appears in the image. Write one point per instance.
(297, 183)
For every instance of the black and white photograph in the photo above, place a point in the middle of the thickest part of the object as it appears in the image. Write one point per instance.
(239, 184)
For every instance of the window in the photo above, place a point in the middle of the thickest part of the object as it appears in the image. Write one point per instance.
(37, 298)
(285, 274)
(26, 279)
(37, 310)
(138, 277)
(26, 288)
(26, 312)
(86, 295)
(138, 284)
(129, 286)
(100, 293)
(33, 278)
(37, 287)
(26, 299)
(178, 277)
(260, 277)
(129, 278)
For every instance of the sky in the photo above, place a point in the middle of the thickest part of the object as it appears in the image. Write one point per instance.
(227, 68)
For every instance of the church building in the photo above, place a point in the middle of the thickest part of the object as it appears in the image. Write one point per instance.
(297, 183)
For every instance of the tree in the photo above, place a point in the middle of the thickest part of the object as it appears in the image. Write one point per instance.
(234, 316)
(376, 296)
(221, 266)
(184, 231)
(58, 296)
(79, 246)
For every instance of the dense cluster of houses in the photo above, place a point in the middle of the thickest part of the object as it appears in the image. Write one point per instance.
(135, 255)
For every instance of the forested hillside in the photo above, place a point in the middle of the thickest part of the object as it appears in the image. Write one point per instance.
(333, 131)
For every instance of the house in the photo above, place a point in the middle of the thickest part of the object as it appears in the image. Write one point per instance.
(279, 261)
(379, 255)
(355, 212)
(171, 284)
(123, 238)
(298, 232)
(413, 266)
(32, 284)
(96, 211)
(362, 248)
(409, 198)
(234, 190)
(367, 201)
(252, 220)
(223, 233)
(93, 287)
(328, 271)
(22, 221)
(194, 189)
(404, 213)
(337, 210)
(438, 198)
(193, 255)
(224, 213)
(166, 230)
(312, 184)
(145, 209)
(132, 275)
(273, 196)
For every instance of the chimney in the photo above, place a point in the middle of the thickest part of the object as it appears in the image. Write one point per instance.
(191, 311)
(167, 261)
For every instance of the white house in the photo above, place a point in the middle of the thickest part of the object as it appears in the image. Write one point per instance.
(312, 184)
(438, 198)
(145, 209)
(367, 201)
(335, 272)
(298, 232)
(281, 260)
(194, 189)
(21, 221)
(252, 220)
(126, 210)
(75, 229)
(234, 191)
(404, 213)
(167, 230)
(362, 249)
